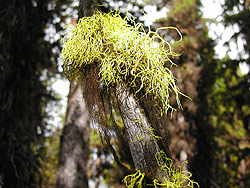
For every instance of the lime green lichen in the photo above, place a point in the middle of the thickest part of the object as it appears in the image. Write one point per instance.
(123, 52)
(151, 130)
(177, 178)
(134, 180)
(126, 53)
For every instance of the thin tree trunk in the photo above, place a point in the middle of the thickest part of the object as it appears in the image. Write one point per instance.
(73, 156)
(142, 143)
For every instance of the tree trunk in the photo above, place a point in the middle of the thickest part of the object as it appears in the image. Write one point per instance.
(73, 156)
(87, 8)
(143, 145)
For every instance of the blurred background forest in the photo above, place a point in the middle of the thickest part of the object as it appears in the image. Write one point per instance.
(212, 131)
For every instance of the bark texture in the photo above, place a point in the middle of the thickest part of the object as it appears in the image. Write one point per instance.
(87, 7)
(73, 156)
(143, 145)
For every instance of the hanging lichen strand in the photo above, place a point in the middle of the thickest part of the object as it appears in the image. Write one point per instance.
(123, 52)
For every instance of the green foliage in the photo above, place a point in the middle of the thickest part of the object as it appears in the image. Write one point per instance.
(230, 117)
(180, 5)
(123, 52)
(50, 161)
(230, 103)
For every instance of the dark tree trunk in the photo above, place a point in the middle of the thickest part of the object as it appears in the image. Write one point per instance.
(73, 156)
(87, 7)
(24, 58)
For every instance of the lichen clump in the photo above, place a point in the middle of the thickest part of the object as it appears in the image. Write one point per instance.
(124, 52)
(177, 178)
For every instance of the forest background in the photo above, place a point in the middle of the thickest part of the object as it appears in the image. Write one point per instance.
(211, 132)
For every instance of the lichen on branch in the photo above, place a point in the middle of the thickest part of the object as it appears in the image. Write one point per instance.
(115, 60)
(123, 52)
(177, 178)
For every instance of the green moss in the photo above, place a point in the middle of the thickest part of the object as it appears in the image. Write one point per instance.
(123, 52)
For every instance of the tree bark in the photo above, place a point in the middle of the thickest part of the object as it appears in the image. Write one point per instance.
(87, 8)
(73, 156)
(142, 143)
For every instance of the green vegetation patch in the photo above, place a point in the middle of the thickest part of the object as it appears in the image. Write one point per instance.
(123, 52)
(177, 178)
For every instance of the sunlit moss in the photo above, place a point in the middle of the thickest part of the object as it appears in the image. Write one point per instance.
(123, 52)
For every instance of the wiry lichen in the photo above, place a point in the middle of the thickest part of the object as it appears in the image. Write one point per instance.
(177, 178)
(123, 52)
(134, 180)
